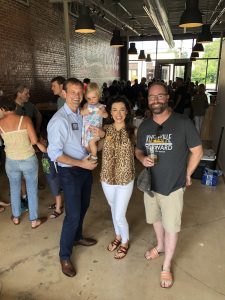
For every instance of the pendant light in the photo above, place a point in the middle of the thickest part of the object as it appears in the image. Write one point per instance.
(142, 55)
(84, 23)
(198, 47)
(148, 58)
(191, 17)
(132, 50)
(205, 36)
(195, 54)
(116, 41)
(142, 52)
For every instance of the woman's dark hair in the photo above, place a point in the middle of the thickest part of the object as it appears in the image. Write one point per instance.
(128, 120)
(7, 103)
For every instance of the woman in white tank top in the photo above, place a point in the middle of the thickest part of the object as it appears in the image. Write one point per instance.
(19, 137)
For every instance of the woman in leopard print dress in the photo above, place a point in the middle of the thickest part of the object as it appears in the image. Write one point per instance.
(117, 173)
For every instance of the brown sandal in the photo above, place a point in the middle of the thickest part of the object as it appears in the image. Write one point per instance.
(114, 244)
(55, 214)
(122, 250)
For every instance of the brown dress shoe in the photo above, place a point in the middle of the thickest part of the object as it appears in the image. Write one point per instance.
(85, 242)
(67, 268)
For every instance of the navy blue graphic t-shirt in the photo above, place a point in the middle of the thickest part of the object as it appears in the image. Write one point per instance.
(171, 142)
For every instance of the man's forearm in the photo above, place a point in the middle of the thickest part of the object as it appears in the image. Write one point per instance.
(193, 161)
(67, 160)
(139, 154)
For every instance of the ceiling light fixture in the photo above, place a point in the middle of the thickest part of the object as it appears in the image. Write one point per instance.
(84, 23)
(198, 47)
(205, 36)
(142, 55)
(195, 54)
(132, 50)
(148, 58)
(191, 17)
(116, 41)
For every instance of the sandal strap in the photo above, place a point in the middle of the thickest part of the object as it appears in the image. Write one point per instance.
(55, 214)
(115, 242)
(166, 276)
(122, 249)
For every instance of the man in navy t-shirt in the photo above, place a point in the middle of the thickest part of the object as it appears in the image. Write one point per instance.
(169, 145)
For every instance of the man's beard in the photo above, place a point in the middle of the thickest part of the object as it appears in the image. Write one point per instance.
(160, 109)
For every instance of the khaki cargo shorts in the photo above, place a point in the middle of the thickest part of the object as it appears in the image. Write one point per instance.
(167, 209)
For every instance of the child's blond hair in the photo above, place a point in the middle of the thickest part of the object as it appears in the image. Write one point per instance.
(93, 86)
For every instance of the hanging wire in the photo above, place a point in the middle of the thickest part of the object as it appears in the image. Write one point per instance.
(207, 14)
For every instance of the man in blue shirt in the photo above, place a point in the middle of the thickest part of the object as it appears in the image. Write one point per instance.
(74, 167)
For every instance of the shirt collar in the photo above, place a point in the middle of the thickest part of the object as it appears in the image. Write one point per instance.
(69, 111)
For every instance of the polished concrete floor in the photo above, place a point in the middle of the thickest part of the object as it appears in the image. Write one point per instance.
(30, 270)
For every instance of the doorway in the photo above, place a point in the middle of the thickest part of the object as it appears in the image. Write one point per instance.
(170, 69)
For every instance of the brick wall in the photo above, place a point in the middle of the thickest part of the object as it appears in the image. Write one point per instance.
(32, 49)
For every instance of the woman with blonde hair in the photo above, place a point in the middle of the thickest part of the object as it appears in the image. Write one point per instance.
(19, 138)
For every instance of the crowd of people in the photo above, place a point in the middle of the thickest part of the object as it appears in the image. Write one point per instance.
(90, 119)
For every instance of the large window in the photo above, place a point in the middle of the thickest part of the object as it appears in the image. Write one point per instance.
(204, 69)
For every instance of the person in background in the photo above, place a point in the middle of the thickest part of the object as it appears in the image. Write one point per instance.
(57, 87)
(93, 113)
(199, 106)
(178, 155)
(179, 96)
(117, 172)
(3, 205)
(51, 173)
(19, 138)
(25, 108)
(74, 167)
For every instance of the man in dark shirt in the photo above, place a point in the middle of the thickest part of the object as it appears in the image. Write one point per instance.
(26, 108)
(180, 96)
(174, 141)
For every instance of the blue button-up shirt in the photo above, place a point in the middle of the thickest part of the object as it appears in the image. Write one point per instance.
(64, 135)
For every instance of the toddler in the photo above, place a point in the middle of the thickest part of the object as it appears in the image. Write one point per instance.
(93, 113)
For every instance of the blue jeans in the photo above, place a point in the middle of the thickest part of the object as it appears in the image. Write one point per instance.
(29, 169)
(76, 184)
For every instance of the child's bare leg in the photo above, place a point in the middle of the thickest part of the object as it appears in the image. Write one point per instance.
(93, 147)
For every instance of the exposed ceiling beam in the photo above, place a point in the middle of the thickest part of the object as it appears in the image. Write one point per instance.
(115, 17)
(157, 14)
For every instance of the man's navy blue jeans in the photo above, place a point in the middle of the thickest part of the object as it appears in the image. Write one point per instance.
(76, 185)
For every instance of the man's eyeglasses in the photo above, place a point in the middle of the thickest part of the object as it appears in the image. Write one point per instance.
(158, 97)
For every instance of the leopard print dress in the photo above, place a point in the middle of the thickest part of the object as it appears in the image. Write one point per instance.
(117, 157)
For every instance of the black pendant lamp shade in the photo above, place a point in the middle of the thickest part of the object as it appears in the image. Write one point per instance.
(132, 50)
(191, 17)
(116, 41)
(148, 58)
(195, 54)
(84, 23)
(198, 47)
(142, 55)
(205, 36)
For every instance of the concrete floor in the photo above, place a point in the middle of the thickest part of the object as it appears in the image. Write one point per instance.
(30, 270)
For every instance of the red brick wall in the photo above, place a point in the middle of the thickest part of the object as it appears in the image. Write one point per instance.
(32, 49)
